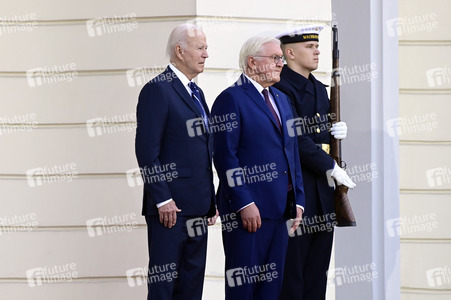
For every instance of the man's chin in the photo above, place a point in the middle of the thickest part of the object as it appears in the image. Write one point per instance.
(275, 78)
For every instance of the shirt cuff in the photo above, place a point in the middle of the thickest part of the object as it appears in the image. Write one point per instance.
(301, 207)
(245, 207)
(163, 203)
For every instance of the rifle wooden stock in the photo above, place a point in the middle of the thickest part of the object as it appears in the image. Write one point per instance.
(343, 210)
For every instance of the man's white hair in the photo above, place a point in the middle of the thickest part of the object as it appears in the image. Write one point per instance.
(179, 36)
(253, 46)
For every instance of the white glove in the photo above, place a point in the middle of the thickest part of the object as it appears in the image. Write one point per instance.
(339, 130)
(341, 177)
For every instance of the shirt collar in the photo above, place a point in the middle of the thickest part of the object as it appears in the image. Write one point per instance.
(180, 75)
(256, 84)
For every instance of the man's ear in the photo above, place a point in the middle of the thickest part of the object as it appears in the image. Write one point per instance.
(251, 62)
(179, 52)
(289, 53)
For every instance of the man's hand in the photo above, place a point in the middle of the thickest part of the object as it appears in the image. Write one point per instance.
(339, 130)
(297, 221)
(251, 218)
(341, 177)
(212, 220)
(168, 214)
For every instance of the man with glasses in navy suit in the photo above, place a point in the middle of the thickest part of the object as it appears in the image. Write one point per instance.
(259, 171)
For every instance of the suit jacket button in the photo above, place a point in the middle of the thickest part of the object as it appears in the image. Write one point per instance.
(284, 172)
(318, 130)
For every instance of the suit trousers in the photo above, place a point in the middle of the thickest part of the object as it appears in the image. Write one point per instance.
(307, 262)
(255, 261)
(176, 259)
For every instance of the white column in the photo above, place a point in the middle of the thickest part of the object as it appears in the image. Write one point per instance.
(368, 48)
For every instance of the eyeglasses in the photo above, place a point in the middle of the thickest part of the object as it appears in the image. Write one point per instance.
(276, 58)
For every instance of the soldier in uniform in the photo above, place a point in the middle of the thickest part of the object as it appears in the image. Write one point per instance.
(309, 248)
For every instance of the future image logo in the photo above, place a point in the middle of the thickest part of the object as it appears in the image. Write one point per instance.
(51, 274)
(412, 24)
(412, 124)
(51, 74)
(107, 225)
(438, 277)
(109, 125)
(109, 25)
(438, 176)
(51, 174)
(411, 224)
(196, 227)
(349, 275)
(136, 276)
(196, 127)
(438, 76)
(251, 275)
(252, 174)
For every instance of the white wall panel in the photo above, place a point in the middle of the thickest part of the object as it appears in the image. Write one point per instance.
(50, 46)
(425, 216)
(72, 9)
(136, 48)
(71, 204)
(282, 9)
(424, 117)
(424, 20)
(421, 260)
(86, 97)
(431, 73)
(425, 167)
(109, 254)
(47, 147)
(425, 295)
(113, 289)
(423, 31)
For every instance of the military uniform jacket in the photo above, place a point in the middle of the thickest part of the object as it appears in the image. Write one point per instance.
(311, 108)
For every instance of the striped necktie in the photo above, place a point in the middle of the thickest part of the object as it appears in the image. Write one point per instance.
(196, 98)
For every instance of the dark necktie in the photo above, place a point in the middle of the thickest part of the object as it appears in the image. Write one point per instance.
(271, 108)
(196, 98)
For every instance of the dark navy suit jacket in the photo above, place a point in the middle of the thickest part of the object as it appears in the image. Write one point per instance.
(255, 141)
(309, 99)
(170, 138)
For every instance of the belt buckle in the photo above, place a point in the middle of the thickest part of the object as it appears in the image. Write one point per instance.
(326, 148)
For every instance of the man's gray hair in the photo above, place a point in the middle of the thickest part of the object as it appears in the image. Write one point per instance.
(253, 46)
(179, 36)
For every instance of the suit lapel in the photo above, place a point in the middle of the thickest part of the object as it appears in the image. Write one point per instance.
(183, 93)
(282, 112)
(252, 92)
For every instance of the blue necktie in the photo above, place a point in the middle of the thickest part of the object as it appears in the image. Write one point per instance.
(196, 98)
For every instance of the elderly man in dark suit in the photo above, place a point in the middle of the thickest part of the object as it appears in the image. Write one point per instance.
(259, 171)
(174, 152)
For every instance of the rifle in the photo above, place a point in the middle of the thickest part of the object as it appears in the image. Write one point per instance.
(343, 210)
